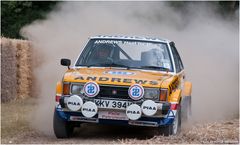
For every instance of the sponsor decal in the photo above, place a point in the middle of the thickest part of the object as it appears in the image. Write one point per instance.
(143, 123)
(149, 107)
(124, 73)
(74, 102)
(123, 42)
(115, 79)
(80, 118)
(171, 113)
(167, 65)
(114, 115)
(89, 109)
(133, 112)
(91, 89)
(136, 92)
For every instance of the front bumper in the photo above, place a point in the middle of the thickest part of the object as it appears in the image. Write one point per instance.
(153, 121)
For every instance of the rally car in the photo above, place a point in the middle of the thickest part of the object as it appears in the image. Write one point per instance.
(135, 81)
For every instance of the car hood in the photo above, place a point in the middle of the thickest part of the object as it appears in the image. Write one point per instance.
(114, 76)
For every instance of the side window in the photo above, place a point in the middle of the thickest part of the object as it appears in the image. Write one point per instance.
(177, 59)
(181, 64)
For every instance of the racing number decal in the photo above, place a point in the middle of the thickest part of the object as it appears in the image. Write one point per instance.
(136, 92)
(90, 89)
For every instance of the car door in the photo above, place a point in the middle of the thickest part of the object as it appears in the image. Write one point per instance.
(178, 65)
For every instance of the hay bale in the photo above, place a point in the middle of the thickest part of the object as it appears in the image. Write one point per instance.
(24, 70)
(16, 69)
(8, 71)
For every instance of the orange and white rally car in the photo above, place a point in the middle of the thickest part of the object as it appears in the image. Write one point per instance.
(125, 81)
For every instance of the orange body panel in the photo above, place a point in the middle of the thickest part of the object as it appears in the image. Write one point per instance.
(151, 79)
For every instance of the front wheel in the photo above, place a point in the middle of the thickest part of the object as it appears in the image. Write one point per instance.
(62, 129)
(174, 128)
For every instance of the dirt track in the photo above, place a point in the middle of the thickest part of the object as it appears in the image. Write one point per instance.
(15, 129)
(225, 132)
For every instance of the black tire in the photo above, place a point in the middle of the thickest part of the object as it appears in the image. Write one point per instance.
(170, 129)
(62, 129)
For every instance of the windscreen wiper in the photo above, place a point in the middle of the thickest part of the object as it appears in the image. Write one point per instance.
(156, 67)
(118, 65)
(109, 65)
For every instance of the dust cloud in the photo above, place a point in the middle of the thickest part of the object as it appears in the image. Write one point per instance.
(207, 43)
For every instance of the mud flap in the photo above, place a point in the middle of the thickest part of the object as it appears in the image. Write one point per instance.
(186, 108)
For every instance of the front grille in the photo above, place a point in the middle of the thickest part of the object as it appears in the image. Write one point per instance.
(119, 92)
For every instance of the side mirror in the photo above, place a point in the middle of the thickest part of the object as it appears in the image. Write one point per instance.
(66, 62)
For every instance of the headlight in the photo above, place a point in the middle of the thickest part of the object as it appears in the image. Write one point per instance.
(76, 89)
(151, 93)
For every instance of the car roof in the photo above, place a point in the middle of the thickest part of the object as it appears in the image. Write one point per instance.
(140, 38)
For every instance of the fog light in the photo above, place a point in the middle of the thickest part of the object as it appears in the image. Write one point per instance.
(149, 107)
(133, 112)
(74, 102)
(89, 109)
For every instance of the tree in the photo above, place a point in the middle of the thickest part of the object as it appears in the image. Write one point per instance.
(16, 14)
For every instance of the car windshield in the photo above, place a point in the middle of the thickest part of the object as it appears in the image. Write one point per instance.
(126, 53)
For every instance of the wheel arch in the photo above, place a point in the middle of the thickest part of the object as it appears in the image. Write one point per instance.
(187, 89)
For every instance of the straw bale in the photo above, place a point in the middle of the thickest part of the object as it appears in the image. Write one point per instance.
(8, 71)
(16, 69)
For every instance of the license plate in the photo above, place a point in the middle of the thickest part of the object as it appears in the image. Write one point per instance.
(112, 104)
(114, 115)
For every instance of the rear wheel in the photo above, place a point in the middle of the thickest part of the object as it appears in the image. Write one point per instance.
(62, 129)
(174, 128)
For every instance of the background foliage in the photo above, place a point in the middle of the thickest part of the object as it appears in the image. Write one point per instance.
(16, 14)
